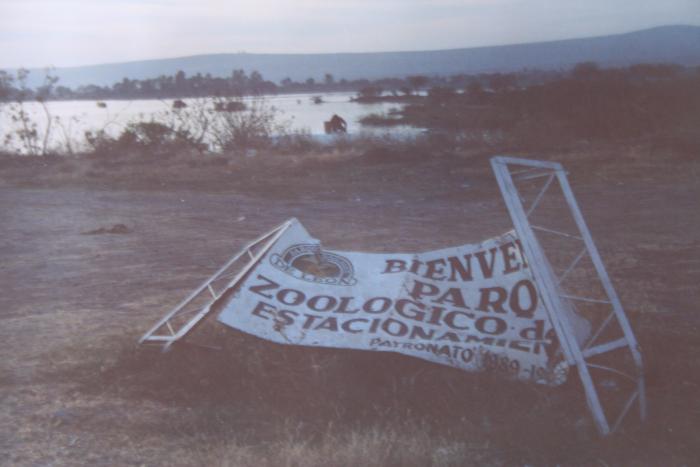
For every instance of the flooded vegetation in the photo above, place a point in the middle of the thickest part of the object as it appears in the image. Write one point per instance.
(69, 122)
(530, 109)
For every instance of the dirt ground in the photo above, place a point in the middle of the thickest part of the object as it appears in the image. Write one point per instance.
(74, 391)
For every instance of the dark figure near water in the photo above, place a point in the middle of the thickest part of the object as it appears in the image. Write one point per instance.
(335, 125)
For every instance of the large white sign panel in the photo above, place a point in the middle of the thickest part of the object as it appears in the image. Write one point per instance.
(473, 307)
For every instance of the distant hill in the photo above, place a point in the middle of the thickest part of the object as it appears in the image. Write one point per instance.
(668, 44)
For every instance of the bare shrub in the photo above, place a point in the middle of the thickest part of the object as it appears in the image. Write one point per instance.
(252, 128)
(151, 138)
(33, 140)
(66, 133)
(191, 123)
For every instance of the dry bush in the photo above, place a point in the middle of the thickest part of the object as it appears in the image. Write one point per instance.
(250, 128)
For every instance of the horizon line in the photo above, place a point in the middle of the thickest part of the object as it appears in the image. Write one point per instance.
(181, 57)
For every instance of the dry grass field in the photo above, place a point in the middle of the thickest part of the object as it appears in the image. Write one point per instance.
(76, 390)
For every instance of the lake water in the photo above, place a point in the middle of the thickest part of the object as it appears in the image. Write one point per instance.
(71, 119)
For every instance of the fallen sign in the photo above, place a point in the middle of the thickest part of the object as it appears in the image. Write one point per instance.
(499, 305)
(473, 307)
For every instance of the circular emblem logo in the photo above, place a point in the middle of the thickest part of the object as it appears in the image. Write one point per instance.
(310, 263)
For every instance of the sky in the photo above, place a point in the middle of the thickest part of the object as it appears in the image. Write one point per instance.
(40, 33)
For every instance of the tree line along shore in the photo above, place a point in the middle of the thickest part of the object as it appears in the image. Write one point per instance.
(656, 103)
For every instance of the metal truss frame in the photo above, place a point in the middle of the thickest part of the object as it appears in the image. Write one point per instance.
(185, 317)
(559, 304)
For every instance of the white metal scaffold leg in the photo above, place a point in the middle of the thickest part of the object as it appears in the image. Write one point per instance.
(560, 304)
(190, 312)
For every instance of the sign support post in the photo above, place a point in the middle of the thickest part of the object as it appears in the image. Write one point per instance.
(190, 312)
(559, 304)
